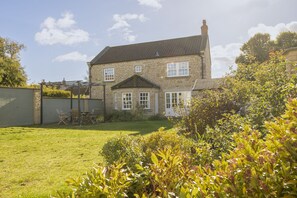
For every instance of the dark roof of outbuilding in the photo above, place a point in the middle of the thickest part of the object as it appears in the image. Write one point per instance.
(135, 81)
(156, 49)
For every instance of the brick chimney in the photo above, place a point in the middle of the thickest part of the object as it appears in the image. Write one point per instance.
(204, 28)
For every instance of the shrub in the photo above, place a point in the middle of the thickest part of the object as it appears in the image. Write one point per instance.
(255, 167)
(135, 114)
(126, 148)
(53, 92)
(116, 116)
(157, 117)
(205, 110)
(220, 137)
(134, 149)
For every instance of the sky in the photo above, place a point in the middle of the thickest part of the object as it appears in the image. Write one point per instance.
(61, 36)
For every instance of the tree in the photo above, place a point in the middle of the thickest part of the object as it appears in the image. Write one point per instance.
(256, 49)
(286, 40)
(12, 74)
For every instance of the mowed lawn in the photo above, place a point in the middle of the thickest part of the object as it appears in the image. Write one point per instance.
(35, 161)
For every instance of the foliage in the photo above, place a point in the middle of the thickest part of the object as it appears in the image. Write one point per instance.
(220, 137)
(286, 40)
(136, 113)
(12, 74)
(257, 92)
(205, 110)
(123, 148)
(157, 117)
(54, 92)
(134, 149)
(255, 167)
(257, 48)
(116, 116)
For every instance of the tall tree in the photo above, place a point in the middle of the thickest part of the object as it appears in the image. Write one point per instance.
(286, 40)
(256, 49)
(12, 74)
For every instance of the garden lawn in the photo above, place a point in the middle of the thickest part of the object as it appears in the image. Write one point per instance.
(36, 161)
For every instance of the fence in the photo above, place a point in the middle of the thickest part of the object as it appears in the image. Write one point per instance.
(22, 106)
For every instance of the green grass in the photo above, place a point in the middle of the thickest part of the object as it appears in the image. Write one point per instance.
(36, 161)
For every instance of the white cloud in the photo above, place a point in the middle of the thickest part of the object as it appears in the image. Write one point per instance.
(123, 26)
(72, 56)
(61, 31)
(273, 30)
(151, 3)
(223, 57)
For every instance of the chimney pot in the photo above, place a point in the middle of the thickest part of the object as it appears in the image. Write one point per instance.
(204, 28)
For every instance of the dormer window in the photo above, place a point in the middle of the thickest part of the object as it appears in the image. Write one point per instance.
(138, 69)
(178, 69)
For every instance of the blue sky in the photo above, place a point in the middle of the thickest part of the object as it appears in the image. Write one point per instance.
(62, 35)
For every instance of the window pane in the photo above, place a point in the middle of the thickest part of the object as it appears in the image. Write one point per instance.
(183, 69)
(109, 74)
(167, 100)
(127, 101)
(171, 69)
(144, 100)
(138, 68)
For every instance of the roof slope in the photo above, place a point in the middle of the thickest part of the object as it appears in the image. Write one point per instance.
(156, 49)
(202, 84)
(135, 81)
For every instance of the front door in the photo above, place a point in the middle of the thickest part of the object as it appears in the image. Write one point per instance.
(174, 101)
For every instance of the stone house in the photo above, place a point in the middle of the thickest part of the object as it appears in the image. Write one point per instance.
(291, 57)
(156, 75)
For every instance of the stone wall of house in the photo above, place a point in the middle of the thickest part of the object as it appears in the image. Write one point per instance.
(153, 94)
(291, 57)
(154, 70)
(207, 61)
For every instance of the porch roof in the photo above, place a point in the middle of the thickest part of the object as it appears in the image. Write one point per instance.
(135, 81)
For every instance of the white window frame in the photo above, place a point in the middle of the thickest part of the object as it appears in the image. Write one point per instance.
(178, 69)
(145, 100)
(175, 100)
(127, 102)
(138, 69)
(108, 77)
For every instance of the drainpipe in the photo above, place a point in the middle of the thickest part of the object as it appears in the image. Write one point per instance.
(104, 103)
(78, 102)
(201, 55)
(41, 101)
(90, 79)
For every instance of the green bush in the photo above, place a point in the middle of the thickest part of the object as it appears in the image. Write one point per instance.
(220, 137)
(116, 116)
(53, 92)
(257, 92)
(126, 148)
(157, 117)
(255, 167)
(134, 149)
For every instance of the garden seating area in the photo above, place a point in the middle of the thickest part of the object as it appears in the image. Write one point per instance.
(76, 117)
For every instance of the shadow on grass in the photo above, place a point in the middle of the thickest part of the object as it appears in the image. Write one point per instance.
(139, 127)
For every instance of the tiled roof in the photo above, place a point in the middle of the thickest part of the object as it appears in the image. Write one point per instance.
(135, 81)
(156, 49)
(202, 84)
